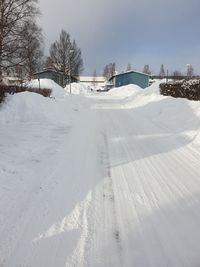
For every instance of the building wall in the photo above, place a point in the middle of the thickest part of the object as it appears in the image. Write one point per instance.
(49, 75)
(132, 78)
(56, 77)
(89, 81)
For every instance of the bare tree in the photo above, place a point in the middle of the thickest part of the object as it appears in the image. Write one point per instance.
(128, 68)
(162, 71)
(94, 82)
(76, 60)
(60, 53)
(109, 70)
(14, 14)
(177, 74)
(106, 72)
(190, 71)
(33, 51)
(65, 57)
(146, 69)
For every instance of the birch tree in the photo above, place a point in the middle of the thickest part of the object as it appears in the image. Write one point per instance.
(189, 71)
(14, 14)
(128, 68)
(146, 69)
(65, 56)
(109, 70)
(32, 55)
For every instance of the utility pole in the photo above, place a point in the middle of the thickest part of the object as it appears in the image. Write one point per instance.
(167, 75)
(39, 82)
(70, 89)
(70, 52)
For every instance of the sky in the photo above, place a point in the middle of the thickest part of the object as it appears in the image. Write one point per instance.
(138, 32)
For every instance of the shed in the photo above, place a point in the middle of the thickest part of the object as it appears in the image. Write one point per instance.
(55, 76)
(130, 77)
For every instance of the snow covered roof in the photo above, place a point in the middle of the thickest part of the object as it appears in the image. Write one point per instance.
(46, 70)
(52, 71)
(130, 71)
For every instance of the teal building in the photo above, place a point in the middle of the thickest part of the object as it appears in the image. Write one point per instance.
(55, 76)
(130, 77)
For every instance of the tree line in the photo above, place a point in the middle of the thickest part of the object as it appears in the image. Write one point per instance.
(176, 73)
(22, 45)
(110, 70)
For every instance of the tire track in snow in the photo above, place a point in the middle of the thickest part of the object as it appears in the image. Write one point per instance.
(149, 183)
(109, 196)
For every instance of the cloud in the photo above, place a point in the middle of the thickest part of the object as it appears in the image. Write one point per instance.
(126, 30)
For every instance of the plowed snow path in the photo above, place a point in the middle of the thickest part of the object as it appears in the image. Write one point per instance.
(112, 189)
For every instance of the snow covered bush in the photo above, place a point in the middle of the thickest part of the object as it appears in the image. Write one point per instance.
(56, 90)
(4, 89)
(189, 89)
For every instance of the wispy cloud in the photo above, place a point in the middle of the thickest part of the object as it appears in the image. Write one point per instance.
(138, 32)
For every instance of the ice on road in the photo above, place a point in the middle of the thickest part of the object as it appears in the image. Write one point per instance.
(111, 187)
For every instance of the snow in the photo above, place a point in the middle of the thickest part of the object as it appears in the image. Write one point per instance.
(31, 107)
(134, 90)
(57, 90)
(125, 91)
(77, 89)
(100, 179)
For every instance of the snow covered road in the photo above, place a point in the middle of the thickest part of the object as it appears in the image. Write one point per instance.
(111, 187)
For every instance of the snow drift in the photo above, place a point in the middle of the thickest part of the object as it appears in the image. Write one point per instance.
(123, 160)
(78, 89)
(57, 90)
(32, 107)
(174, 114)
(125, 91)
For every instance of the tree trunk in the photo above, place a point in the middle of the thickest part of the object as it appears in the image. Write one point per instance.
(1, 38)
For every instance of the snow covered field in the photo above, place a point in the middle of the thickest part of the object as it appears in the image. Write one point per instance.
(109, 179)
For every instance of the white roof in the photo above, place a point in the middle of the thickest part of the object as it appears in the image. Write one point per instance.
(91, 79)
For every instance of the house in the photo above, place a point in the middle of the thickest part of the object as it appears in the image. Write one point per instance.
(91, 81)
(55, 76)
(130, 77)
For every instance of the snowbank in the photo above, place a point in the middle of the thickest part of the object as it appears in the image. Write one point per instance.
(125, 91)
(134, 90)
(57, 90)
(32, 107)
(174, 114)
(154, 87)
(78, 89)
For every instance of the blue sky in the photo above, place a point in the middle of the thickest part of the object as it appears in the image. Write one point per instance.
(139, 32)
